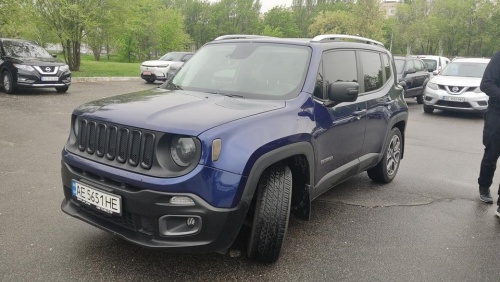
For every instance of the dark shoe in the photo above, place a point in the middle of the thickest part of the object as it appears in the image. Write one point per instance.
(498, 211)
(485, 196)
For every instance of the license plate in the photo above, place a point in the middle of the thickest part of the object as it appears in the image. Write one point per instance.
(146, 73)
(50, 78)
(454, 99)
(103, 201)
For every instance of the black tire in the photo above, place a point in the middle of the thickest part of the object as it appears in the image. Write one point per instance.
(420, 99)
(428, 110)
(387, 168)
(8, 83)
(62, 89)
(272, 211)
(150, 80)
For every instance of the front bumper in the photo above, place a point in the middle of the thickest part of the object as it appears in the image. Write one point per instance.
(149, 219)
(470, 101)
(32, 79)
(156, 73)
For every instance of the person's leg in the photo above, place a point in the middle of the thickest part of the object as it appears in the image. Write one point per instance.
(491, 142)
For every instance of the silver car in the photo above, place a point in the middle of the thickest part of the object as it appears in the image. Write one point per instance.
(456, 88)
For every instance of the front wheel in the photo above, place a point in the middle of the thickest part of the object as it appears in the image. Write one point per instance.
(272, 210)
(8, 83)
(428, 110)
(386, 169)
(62, 89)
(150, 80)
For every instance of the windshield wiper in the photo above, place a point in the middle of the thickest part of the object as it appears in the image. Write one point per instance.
(225, 94)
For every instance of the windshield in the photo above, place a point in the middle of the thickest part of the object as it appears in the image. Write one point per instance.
(400, 64)
(430, 64)
(249, 70)
(175, 57)
(467, 69)
(24, 49)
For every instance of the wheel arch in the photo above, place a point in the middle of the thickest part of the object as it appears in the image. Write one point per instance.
(299, 157)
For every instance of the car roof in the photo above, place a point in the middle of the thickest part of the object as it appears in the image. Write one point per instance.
(429, 57)
(16, 39)
(325, 40)
(472, 60)
(405, 58)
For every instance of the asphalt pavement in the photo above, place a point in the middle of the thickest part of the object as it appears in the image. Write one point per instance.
(427, 225)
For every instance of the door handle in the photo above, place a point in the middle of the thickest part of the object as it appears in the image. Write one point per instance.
(358, 113)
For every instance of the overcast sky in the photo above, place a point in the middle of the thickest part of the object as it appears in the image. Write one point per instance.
(269, 4)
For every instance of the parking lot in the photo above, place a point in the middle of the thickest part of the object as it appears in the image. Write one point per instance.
(427, 225)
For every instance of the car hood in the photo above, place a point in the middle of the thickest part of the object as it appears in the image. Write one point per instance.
(457, 80)
(155, 63)
(179, 111)
(38, 61)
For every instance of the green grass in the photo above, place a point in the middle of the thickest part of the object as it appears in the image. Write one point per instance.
(106, 68)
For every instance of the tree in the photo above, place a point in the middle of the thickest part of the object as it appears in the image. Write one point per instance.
(69, 20)
(282, 20)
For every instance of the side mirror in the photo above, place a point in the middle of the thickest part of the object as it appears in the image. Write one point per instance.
(402, 84)
(339, 92)
(410, 70)
(435, 72)
(54, 55)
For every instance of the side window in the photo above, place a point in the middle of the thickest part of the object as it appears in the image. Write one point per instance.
(372, 70)
(387, 67)
(409, 65)
(339, 66)
(422, 66)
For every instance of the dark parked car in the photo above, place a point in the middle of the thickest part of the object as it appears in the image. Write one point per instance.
(247, 132)
(24, 63)
(414, 73)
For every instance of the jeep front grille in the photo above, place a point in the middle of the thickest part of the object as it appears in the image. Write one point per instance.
(117, 143)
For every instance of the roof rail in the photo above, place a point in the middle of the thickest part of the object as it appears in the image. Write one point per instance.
(239, 36)
(325, 37)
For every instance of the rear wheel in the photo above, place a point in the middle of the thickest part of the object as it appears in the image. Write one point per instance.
(420, 99)
(62, 89)
(272, 210)
(387, 168)
(150, 80)
(8, 84)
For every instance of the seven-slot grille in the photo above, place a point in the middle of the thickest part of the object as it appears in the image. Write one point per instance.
(116, 143)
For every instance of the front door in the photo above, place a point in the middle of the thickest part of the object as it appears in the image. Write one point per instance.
(340, 130)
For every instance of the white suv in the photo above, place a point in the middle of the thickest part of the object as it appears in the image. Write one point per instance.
(435, 64)
(456, 88)
(160, 69)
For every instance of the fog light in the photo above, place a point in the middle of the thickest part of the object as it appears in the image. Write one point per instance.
(181, 201)
(179, 225)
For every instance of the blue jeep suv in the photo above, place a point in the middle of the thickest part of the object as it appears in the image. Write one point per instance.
(250, 130)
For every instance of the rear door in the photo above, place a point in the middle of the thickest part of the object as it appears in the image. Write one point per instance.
(376, 89)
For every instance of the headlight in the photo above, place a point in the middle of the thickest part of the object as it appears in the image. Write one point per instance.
(183, 150)
(433, 86)
(24, 67)
(64, 68)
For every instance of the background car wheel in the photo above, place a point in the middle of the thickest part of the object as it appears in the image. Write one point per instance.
(387, 168)
(150, 80)
(428, 110)
(8, 84)
(420, 99)
(62, 89)
(272, 211)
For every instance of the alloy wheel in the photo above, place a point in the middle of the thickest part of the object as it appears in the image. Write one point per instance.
(393, 155)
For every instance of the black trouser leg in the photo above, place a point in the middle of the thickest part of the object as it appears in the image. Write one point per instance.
(491, 142)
